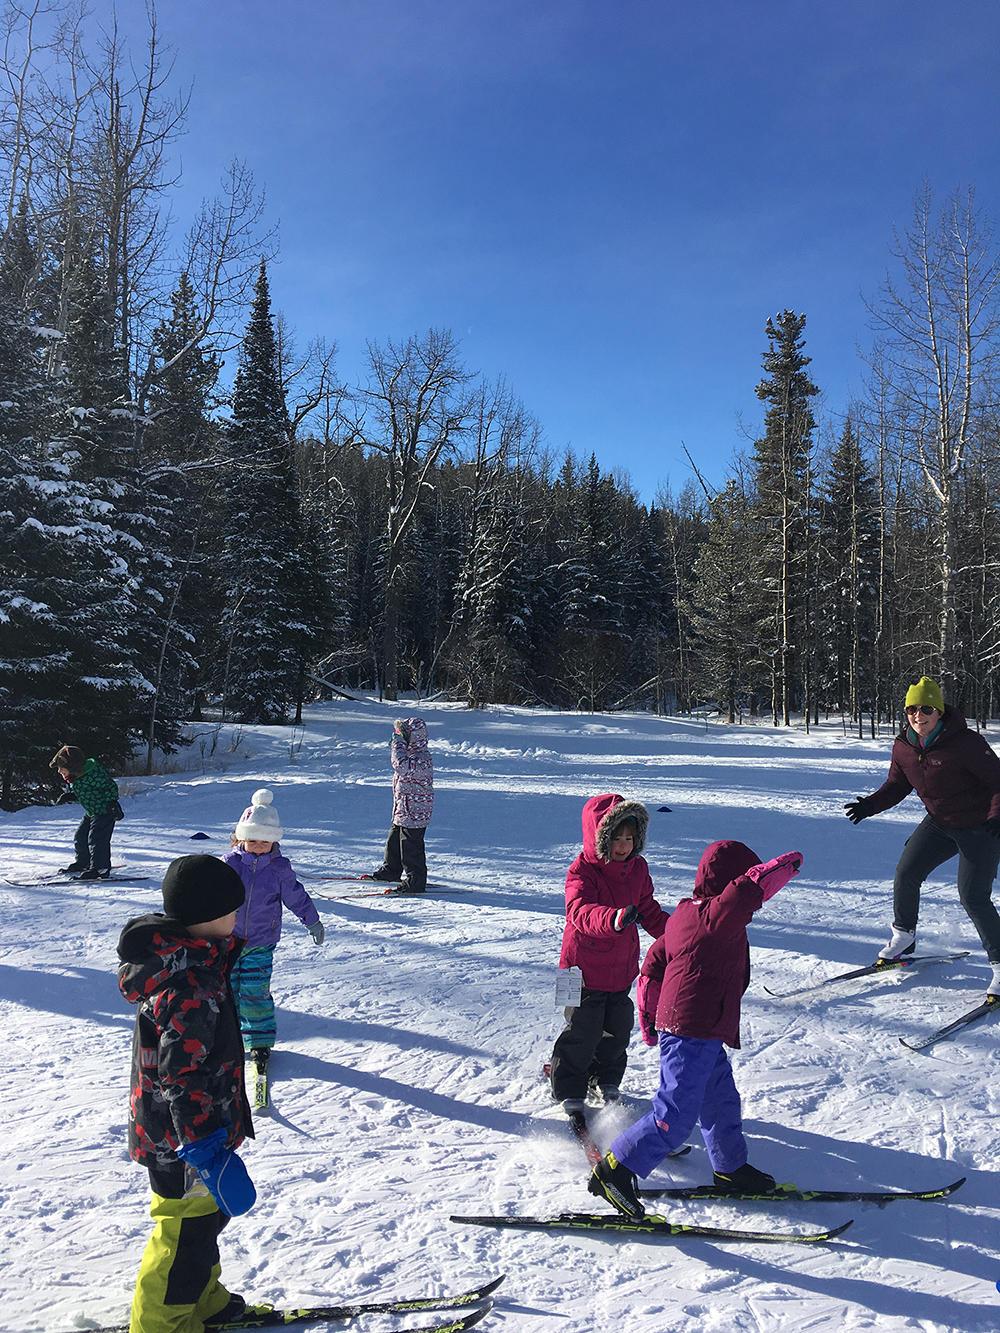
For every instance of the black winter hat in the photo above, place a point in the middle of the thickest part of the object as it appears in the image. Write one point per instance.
(201, 888)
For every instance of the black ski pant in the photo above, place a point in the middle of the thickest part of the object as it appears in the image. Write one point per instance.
(930, 845)
(92, 841)
(405, 856)
(593, 1045)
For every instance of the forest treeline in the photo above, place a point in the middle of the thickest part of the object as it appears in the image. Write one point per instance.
(172, 545)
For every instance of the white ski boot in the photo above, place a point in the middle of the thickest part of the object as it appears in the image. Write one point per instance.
(902, 943)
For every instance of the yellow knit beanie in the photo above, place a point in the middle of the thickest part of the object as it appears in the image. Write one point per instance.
(926, 691)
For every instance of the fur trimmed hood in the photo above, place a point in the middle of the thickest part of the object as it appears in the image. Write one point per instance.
(601, 818)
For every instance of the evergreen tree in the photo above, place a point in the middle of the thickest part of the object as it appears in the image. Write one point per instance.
(782, 463)
(182, 464)
(71, 666)
(730, 666)
(847, 578)
(273, 576)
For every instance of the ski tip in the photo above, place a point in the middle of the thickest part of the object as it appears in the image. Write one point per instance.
(491, 1287)
(467, 1321)
(836, 1231)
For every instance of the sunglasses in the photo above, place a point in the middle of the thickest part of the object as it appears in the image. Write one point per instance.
(925, 710)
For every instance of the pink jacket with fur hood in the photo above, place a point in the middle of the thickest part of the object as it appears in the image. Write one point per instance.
(596, 890)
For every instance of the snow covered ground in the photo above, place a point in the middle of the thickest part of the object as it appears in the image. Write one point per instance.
(407, 1074)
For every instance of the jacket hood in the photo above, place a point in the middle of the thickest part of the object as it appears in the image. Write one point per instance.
(601, 817)
(720, 864)
(416, 732)
(155, 948)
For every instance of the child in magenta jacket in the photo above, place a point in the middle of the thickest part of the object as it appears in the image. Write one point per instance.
(608, 889)
(690, 991)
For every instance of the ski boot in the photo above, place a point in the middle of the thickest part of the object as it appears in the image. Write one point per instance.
(903, 942)
(746, 1179)
(616, 1183)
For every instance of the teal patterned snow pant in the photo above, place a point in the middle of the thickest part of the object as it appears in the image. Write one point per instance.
(251, 978)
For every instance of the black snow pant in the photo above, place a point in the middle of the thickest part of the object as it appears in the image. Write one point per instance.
(930, 845)
(92, 841)
(593, 1047)
(404, 856)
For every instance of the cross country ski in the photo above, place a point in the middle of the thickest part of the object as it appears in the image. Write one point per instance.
(266, 1316)
(990, 1005)
(39, 881)
(650, 1225)
(791, 1194)
(873, 969)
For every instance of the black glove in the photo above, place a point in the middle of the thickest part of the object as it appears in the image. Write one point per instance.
(625, 916)
(993, 826)
(65, 798)
(857, 810)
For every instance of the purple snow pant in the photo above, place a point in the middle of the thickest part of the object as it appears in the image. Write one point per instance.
(696, 1087)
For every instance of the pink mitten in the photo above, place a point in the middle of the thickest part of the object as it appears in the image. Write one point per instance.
(647, 996)
(774, 875)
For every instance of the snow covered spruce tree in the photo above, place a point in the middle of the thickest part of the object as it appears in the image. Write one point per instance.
(71, 661)
(94, 429)
(36, 575)
(589, 650)
(847, 577)
(727, 664)
(782, 468)
(180, 454)
(273, 584)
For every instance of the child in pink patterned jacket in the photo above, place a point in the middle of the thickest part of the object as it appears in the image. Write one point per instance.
(404, 861)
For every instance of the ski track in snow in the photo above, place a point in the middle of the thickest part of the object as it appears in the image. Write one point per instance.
(407, 1080)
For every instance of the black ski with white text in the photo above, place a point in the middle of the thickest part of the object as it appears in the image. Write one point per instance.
(990, 1005)
(43, 881)
(790, 1194)
(650, 1225)
(872, 969)
(264, 1317)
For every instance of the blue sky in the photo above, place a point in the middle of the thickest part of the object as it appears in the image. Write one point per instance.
(602, 199)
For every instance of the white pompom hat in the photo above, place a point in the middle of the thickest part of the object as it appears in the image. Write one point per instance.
(259, 821)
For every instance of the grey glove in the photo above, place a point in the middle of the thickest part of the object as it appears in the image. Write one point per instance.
(401, 728)
(317, 932)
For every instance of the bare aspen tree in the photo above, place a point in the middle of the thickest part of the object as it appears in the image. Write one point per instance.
(938, 332)
(418, 408)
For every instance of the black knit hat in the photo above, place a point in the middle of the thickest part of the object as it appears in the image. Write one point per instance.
(201, 888)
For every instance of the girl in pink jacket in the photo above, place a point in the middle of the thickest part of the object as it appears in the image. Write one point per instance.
(608, 889)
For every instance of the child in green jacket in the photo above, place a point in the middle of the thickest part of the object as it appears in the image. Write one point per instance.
(97, 792)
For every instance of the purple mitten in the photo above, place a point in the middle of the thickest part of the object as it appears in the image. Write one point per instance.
(774, 875)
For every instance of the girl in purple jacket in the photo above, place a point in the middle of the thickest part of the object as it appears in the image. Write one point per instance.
(690, 991)
(270, 884)
(608, 889)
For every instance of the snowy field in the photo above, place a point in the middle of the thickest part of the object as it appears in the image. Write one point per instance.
(407, 1073)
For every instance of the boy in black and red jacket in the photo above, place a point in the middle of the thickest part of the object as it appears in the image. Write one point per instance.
(188, 1110)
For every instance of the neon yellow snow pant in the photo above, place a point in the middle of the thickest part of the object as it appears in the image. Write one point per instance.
(178, 1287)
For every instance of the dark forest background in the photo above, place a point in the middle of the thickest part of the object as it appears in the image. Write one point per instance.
(173, 545)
